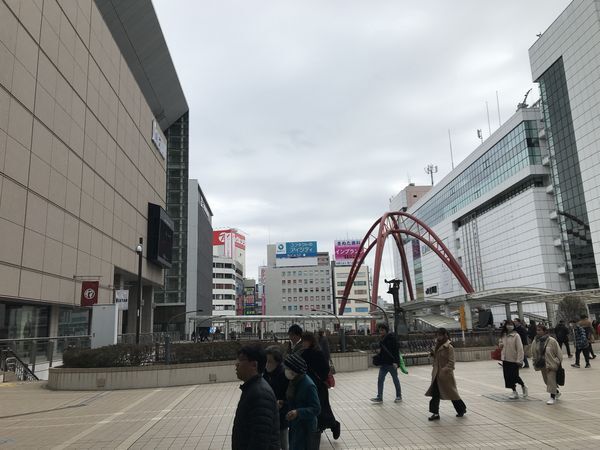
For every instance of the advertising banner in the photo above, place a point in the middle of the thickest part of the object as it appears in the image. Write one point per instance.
(303, 249)
(89, 293)
(122, 299)
(230, 239)
(346, 251)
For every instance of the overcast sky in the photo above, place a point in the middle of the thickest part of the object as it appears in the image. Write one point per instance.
(308, 115)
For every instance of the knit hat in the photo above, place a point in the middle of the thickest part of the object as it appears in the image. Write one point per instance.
(295, 363)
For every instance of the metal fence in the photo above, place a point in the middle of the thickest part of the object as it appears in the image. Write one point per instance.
(43, 350)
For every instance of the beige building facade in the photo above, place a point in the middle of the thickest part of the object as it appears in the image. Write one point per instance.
(78, 166)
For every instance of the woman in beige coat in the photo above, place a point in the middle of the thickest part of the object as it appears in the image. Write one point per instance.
(443, 385)
(512, 358)
(547, 358)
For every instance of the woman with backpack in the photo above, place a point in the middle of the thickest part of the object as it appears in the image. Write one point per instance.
(547, 358)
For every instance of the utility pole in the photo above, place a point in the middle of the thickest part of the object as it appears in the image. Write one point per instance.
(430, 170)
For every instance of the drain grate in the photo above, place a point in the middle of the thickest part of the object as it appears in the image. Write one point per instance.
(504, 398)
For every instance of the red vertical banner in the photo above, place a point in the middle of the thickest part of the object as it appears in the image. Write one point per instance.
(89, 293)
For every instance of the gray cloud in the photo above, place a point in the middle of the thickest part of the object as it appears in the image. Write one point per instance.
(307, 116)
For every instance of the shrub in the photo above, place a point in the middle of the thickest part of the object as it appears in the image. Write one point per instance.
(120, 355)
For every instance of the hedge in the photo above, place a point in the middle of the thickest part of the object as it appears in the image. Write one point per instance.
(119, 355)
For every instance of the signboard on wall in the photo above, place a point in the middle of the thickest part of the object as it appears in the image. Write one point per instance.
(305, 249)
(159, 140)
(346, 251)
(89, 293)
(122, 299)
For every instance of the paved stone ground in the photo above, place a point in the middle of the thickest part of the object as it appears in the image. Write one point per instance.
(201, 416)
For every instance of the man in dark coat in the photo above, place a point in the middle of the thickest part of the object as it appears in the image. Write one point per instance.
(522, 331)
(388, 360)
(562, 336)
(256, 422)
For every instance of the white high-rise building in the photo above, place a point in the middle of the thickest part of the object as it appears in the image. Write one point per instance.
(297, 279)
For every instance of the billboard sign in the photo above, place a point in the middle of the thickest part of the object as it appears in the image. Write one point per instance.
(346, 251)
(229, 239)
(159, 140)
(305, 249)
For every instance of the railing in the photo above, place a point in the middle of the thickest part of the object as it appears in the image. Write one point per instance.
(149, 338)
(42, 350)
(10, 362)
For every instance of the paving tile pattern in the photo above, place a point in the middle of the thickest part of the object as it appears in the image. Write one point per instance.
(201, 417)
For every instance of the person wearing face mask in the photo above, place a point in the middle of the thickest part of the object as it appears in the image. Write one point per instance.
(512, 358)
(318, 369)
(547, 358)
(443, 385)
(304, 406)
(275, 376)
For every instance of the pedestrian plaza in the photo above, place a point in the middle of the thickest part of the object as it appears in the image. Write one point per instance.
(201, 416)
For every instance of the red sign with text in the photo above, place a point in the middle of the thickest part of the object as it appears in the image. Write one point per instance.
(89, 293)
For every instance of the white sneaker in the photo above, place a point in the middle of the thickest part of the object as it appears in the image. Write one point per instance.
(513, 395)
(525, 392)
(552, 401)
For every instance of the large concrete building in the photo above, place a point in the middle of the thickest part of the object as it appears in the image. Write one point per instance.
(494, 213)
(565, 61)
(87, 89)
(524, 209)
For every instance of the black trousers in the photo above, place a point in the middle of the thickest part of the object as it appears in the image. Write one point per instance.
(434, 403)
(566, 342)
(586, 354)
(511, 375)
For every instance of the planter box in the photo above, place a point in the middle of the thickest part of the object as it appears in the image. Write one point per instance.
(114, 378)
(203, 373)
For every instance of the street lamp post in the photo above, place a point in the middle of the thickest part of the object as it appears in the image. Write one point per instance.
(370, 303)
(138, 321)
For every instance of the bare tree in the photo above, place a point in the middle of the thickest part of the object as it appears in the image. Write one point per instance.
(571, 307)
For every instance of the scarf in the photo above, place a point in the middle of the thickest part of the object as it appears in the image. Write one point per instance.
(439, 343)
(541, 340)
(291, 389)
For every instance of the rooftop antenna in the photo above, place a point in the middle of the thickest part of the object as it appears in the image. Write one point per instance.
(431, 169)
(524, 104)
(480, 134)
(498, 105)
(451, 155)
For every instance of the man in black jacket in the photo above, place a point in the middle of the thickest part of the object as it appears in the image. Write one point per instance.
(562, 336)
(388, 360)
(522, 332)
(256, 422)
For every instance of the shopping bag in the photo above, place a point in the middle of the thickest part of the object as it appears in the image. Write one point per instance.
(402, 365)
(560, 376)
(496, 354)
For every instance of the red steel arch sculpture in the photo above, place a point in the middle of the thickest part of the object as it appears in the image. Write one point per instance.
(396, 224)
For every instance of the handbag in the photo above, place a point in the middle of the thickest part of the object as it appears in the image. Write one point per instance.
(330, 381)
(377, 359)
(560, 376)
(402, 365)
(496, 354)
